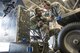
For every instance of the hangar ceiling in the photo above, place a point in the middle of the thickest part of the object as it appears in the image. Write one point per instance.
(31, 4)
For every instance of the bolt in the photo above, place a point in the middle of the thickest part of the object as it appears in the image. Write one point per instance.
(75, 41)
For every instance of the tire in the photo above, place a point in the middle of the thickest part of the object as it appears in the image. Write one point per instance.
(71, 29)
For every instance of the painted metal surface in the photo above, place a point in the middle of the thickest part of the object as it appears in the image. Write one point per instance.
(8, 26)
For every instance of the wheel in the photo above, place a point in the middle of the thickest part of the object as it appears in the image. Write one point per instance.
(69, 38)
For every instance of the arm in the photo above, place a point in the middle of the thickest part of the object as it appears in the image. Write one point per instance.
(33, 24)
(65, 9)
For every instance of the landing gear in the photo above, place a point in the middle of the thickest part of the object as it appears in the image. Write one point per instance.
(69, 38)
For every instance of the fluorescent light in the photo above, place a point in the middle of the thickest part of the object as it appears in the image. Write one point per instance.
(63, 0)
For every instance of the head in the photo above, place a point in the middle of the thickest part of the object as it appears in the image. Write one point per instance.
(38, 11)
(13, 2)
(47, 5)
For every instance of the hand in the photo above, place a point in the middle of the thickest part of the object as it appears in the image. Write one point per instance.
(40, 23)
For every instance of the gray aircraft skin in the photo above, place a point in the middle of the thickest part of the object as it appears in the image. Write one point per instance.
(8, 25)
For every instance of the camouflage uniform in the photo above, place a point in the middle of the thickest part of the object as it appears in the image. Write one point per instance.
(41, 24)
(58, 9)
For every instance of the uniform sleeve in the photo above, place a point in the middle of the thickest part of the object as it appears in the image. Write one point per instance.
(33, 23)
(54, 11)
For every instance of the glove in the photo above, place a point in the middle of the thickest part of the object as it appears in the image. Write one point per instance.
(59, 18)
